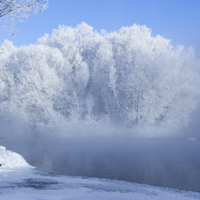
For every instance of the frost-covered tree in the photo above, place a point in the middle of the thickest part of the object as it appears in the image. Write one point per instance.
(77, 75)
(20, 9)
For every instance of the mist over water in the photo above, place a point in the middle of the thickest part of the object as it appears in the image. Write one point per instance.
(108, 105)
(162, 162)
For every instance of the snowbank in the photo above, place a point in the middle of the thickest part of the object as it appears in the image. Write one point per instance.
(9, 159)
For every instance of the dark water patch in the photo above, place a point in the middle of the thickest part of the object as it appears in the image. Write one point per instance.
(38, 184)
(6, 186)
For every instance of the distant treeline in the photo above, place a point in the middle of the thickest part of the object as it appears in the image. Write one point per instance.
(127, 77)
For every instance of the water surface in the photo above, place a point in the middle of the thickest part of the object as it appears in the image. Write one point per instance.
(162, 162)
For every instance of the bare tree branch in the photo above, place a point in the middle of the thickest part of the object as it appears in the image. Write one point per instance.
(10, 10)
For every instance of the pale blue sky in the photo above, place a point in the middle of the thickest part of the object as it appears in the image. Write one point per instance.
(178, 20)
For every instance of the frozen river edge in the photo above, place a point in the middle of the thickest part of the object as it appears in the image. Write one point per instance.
(18, 180)
(31, 184)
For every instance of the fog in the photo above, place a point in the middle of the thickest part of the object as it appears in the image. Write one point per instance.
(163, 162)
(193, 129)
(170, 161)
(120, 105)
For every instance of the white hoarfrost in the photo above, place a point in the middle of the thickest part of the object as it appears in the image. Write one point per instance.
(9, 159)
(77, 75)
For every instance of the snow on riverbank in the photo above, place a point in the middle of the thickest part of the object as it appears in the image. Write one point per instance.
(34, 185)
(30, 184)
(9, 160)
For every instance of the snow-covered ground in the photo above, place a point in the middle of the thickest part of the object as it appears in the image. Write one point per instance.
(20, 181)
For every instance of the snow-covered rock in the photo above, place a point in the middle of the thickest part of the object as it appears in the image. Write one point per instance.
(9, 159)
